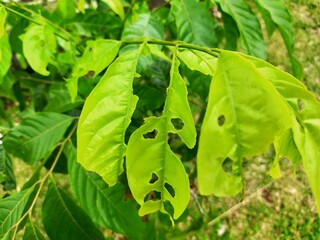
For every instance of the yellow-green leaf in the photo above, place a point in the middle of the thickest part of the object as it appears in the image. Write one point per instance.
(153, 170)
(116, 6)
(105, 117)
(39, 44)
(244, 115)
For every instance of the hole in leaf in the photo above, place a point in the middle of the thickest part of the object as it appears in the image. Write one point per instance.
(174, 141)
(221, 120)
(170, 189)
(154, 178)
(168, 207)
(300, 104)
(150, 135)
(227, 165)
(154, 195)
(177, 123)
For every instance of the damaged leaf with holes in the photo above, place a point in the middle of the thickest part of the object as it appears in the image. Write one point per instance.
(244, 115)
(156, 176)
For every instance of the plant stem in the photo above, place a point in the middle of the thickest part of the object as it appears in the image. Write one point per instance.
(212, 51)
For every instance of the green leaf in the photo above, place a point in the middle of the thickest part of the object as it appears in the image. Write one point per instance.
(5, 48)
(116, 6)
(97, 56)
(105, 205)
(39, 44)
(36, 135)
(59, 100)
(11, 210)
(3, 16)
(32, 232)
(194, 23)
(105, 117)
(277, 12)
(142, 24)
(306, 127)
(244, 115)
(152, 168)
(6, 169)
(67, 8)
(284, 147)
(64, 219)
(252, 40)
(231, 32)
(200, 61)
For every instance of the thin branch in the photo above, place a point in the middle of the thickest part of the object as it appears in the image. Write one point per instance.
(242, 203)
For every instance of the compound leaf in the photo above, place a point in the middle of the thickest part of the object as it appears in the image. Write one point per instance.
(105, 205)
(194, 23)
(252, 40)
(11, 210)
(243, 117)
(105, 117)
(156, 176)
(36, 135)
(64, 219)
(39, 44)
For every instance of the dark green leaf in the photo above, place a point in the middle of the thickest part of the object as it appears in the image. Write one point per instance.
(6, 170)
(32, 232)
(36, 135)
(11, 210)
(278, 13)
(64, 219)
(246, 21)
(194, 23)
(105, 205)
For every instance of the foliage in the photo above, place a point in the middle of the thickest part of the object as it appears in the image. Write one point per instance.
(137, 101)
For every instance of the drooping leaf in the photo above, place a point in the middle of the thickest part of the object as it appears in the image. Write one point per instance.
(64, 219)
(6, 170)
(5, 48)
(97, 56)
(39, 44)
(36, 135)
(105, 117)
(11, 210)
(116, 6)
(252, 40)
(244, 115)
(105, 205)
(276, 11)
(200, 61)
(284, 147)
(194, 23)
(306, 127)
(153, 170)
(32, 231)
